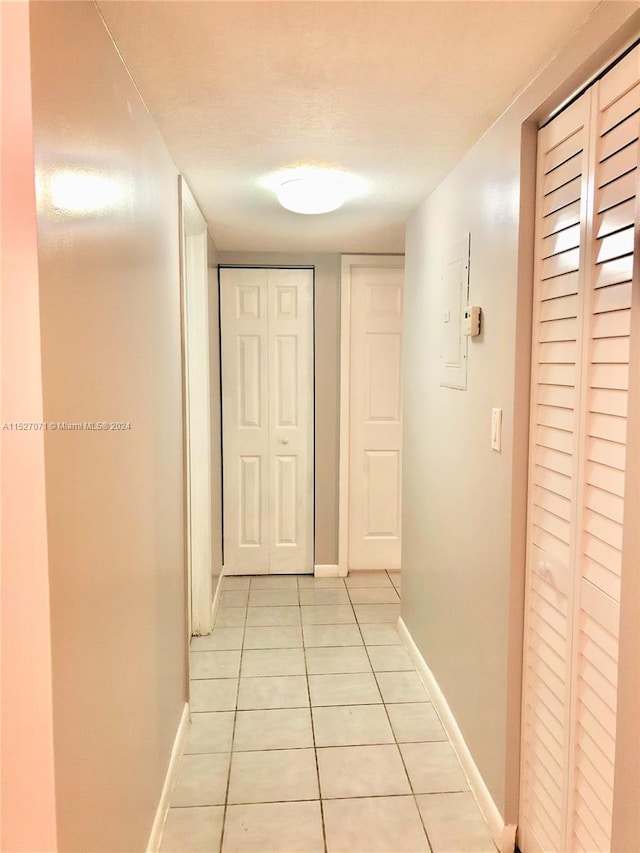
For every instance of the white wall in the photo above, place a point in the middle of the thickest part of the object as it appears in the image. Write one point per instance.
(111, 351)
(464, 504)
(27, 771)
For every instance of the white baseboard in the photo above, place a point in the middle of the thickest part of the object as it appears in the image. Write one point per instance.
(504, 835)
(169, 781)
(215, 604)
(329, 571)
(353, 571)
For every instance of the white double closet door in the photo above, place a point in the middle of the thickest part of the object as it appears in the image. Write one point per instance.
(266, 318)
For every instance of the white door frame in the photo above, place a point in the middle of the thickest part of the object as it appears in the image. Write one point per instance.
(349, 262)
(197, 413)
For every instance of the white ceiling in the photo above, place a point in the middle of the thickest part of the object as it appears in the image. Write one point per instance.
(393, 92)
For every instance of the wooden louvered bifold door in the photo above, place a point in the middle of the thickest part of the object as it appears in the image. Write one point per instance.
(612, 226)
(586, 223)
(561, 234)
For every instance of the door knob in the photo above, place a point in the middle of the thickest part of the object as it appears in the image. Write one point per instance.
(284, 441)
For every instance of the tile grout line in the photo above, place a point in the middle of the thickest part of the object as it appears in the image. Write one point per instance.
(395, 739)
(222, 753)
(315, 799)
(331, 799)
(397, 592)
(235, 719)
(313, 736)
(233, 729)
(415, 798)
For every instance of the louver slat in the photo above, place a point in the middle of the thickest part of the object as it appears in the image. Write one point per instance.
(617, 165)
(622, 107)
(564, 218)
(619, 137)
(616, 218)
(561, 241)
(563, 174)
(617, 192)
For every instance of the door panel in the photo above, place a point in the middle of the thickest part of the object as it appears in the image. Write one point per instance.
(383, 385)
(249, 380)
(382, 466)
(250, 510)
(245, 435)
(375, 417)
(267, 388)
(290, 294)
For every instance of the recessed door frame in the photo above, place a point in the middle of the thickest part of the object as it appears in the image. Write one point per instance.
(197, 413)
(350, 262)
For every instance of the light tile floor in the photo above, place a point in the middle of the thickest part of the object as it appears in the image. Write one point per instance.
(311, 730)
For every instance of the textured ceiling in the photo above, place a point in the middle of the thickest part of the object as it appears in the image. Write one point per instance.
(393, 92)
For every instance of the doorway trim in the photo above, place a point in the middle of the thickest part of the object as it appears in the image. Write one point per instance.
(350, 262)
(197, 413)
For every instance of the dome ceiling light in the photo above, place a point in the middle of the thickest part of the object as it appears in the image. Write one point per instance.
(313, 193)
(312, 188)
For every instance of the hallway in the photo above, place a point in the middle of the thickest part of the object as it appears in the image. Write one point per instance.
(312, 731)
(491, 150)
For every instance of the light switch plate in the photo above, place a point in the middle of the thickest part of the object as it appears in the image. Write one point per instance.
(496, 429)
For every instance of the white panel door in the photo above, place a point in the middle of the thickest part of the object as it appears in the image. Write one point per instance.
(245, 428)
(375, 433)
(267, 409)
(290, 341)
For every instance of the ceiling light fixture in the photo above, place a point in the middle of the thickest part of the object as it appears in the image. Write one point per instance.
(315, 192)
